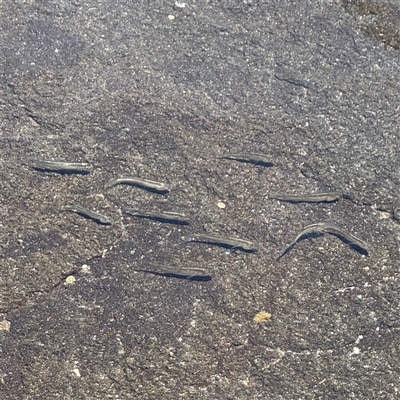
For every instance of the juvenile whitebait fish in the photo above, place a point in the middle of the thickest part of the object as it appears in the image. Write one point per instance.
(293, 81)
(166, 216)
(319, 229)
(100, 219)
(62, 167)
(306, 198)
(193, 274)
(251, 158)
(228, 242)
(152, 186)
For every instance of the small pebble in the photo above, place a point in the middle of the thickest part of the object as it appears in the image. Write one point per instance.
(5, 325)
(70, 280)
(262, 316)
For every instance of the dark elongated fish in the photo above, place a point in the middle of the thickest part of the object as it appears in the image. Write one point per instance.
(62, 167)
(100, 219)
(251, 158)
(166, 216)
(193, 274)
(223, 241)
(319, 229)
(306, 198)
(146, 184)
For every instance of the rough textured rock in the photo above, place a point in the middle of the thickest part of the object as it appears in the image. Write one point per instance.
(160, 91)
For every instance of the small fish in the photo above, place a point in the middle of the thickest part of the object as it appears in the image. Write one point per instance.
(166, 216)
(318, 229)
(251, 158)
(62, 167)
(151, 186)
(228, 242)
(306, 198)
(100, 219)
(293, 81)
(193, 274)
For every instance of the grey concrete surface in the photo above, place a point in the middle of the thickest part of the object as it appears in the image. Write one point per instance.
(159, 91)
